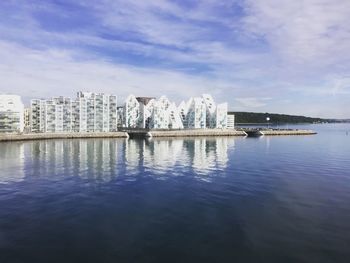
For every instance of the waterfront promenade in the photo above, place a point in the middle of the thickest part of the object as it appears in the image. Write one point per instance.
(144, 133)
(48, 136)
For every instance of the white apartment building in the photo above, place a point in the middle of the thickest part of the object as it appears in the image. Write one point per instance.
(11, 113)
(131, 112)
(159, 116)
(175, 120)
(27, 119)
(146, 105)
(197, 113)
(221, 116)
(89, 112)
(183, 110)
(98, 110)
(210, 110)
(230, 121)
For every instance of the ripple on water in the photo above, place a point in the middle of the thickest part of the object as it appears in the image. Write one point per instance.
(273, 199)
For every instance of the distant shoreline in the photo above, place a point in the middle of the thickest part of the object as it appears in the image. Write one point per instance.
(289, 123)
(259, 118)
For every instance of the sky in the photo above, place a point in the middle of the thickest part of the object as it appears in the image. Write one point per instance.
(276, 56)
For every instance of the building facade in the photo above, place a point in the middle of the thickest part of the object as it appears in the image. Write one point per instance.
(27, 120)
(221, 116)
(11, 113)
(230, 121)
(131, 112)
(98, 112)
(197, 113)
(89, 112)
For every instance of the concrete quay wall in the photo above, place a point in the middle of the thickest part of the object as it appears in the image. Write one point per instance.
(152, 133)
(48, 136)
(287, 132)
(195, 133)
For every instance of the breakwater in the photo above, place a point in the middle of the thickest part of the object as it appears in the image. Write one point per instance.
(48, 136)
(287, 132)
(137, 133)
(196, 132)
(255, 132)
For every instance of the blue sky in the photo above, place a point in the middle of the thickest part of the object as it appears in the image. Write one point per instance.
(259, 55)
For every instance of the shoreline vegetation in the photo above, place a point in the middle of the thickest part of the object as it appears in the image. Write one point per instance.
(260, 118)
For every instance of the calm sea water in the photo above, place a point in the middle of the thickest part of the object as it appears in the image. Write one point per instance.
(267, 199)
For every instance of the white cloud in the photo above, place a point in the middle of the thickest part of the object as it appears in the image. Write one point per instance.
(34, 74)
(252, 102)
(340, 85)
(281, 49)
(302, 31)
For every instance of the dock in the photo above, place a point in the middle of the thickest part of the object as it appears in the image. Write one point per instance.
(287, 132)
(256, 132)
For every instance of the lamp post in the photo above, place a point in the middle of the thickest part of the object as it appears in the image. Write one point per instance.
(268, 121)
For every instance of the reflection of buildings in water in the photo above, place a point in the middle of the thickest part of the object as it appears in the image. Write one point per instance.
(210, 153)
(133, 153)
(49, 157)
(163, 153)
(202, 154)
(102, 159)
(95, 158)
(221, 151)
(11, 162)
(203, 157)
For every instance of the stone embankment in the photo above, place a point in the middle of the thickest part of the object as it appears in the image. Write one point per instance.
(287, 132)
(195, 133)
(152, 133)
(48, 136)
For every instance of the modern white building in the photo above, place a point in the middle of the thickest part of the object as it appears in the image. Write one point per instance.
(146, 105)
(89, 112)
(27, 119)
(183, 110)
(98, 110)
(151, 113)
(131, 112)
(160, 118)
(230, 121)
(210, 110)
(196, 115)
(221, 116)
(51, 115)
(11, 113)
(216, 115)
(175, 119)
(37, 115)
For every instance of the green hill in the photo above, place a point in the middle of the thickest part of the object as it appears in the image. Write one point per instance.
(255, 117)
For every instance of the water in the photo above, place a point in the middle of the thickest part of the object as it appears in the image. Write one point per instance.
(267, 199)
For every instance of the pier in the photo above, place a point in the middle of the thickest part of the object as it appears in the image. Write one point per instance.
(256, 132)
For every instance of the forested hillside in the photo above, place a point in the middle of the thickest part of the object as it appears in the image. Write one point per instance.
(255, 117)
